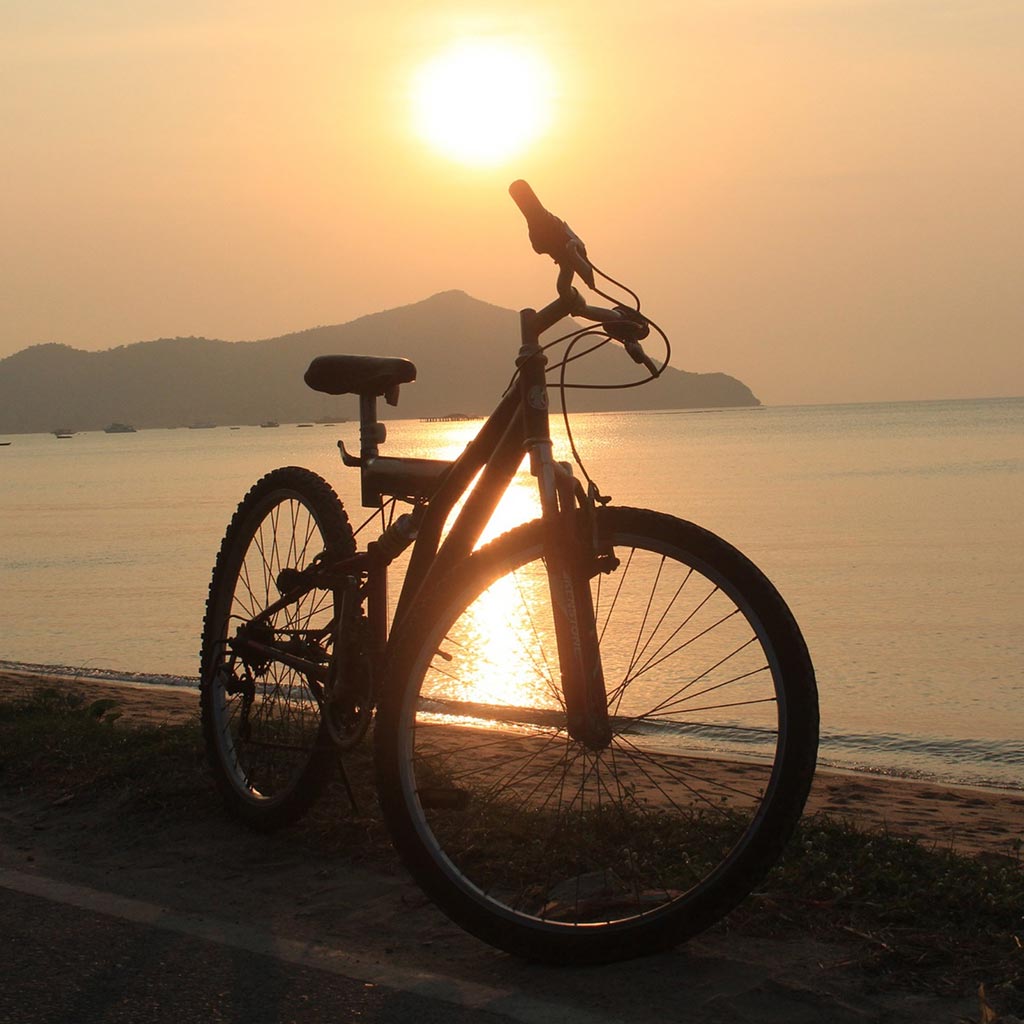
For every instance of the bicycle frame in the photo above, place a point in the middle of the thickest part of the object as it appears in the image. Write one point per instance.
(518, 427)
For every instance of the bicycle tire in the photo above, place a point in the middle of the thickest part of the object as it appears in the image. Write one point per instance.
(563, 855)
(268, 746)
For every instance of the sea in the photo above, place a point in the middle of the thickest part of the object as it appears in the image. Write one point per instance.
(895, 532)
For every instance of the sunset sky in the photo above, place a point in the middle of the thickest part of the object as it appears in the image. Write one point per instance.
(824, 198)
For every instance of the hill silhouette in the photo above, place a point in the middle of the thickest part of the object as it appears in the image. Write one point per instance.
(463, 349)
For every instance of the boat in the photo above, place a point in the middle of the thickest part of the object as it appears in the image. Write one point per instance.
(4, 444)
(202, 426)
(118, 428)
(303, 424)
(63, 432)
(270, 423)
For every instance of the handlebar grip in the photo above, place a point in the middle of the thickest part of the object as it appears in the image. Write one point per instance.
(526, 199)
(548, 234)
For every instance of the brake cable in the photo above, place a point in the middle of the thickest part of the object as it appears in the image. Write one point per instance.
(573, 338)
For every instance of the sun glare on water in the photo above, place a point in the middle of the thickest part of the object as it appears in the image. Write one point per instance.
(481, 102)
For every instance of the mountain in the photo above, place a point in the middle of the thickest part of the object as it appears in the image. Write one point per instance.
(464, 351)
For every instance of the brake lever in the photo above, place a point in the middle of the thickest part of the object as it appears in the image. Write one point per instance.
(631, 327)
(636, 352)
(576, 255)
(623, 324)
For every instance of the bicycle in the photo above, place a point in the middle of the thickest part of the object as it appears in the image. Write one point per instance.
(593, 735)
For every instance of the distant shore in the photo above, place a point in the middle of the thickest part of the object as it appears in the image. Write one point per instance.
(973, 821)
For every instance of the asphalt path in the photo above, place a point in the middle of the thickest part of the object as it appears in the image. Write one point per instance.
(73, 954)
(154, 917)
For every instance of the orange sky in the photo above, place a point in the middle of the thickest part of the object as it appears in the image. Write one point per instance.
(824, 198)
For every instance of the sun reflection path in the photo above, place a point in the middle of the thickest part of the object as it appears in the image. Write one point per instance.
(498, 647)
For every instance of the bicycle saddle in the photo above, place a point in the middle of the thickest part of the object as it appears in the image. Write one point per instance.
(358, 375)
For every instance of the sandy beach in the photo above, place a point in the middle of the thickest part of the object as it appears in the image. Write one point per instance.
(973, 821)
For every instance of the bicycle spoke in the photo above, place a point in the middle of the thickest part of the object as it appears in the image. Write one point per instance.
(673, 699)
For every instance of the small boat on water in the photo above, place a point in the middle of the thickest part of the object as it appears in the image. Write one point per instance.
(4, 444)
(202, 426)
(270, 423)
(63, 433)
(119, 428)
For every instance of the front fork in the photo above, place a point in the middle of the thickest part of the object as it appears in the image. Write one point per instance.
(569, 555)
(571, 562)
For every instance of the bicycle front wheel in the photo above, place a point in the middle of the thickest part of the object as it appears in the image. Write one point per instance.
(265, 737)
(557, 852)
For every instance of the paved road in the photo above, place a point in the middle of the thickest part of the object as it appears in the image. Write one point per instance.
(129, 961)
(158, 936)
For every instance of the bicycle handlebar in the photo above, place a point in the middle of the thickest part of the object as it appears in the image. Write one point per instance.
(628, 338)
(547, 233)
(551, 236)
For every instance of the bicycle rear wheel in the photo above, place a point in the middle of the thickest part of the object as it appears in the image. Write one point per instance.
(265, 737)
(559, 853)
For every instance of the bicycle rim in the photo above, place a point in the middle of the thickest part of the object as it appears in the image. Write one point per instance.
(262, 718)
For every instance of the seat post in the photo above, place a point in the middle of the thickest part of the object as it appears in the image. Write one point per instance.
(371, 433)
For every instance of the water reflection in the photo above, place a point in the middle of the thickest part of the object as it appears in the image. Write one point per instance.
(683, 666)
(497, 653)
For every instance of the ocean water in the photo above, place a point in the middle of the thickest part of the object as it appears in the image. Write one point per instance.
(894, 531)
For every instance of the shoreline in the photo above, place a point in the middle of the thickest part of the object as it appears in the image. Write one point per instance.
(971, 820)
(150, 681)
(120, 677)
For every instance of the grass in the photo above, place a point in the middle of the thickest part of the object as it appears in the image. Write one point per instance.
(56, 743)
(922, 914)
(919, 914)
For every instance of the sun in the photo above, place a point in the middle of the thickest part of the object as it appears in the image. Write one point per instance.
(482, 102)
